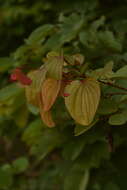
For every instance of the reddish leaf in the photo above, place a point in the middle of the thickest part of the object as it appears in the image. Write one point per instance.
(19, 76)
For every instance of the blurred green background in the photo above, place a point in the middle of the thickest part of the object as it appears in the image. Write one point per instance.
(32, 156)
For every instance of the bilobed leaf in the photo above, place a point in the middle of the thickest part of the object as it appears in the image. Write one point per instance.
(83, 100)
(49, 92)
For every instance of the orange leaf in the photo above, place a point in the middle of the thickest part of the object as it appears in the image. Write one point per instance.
(46, 116)
(49, 92)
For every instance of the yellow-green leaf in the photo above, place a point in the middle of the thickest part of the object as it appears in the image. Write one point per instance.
(54, 65)
(83, 100)
(37, 76)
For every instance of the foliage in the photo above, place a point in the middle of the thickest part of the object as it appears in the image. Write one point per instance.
(46, 48)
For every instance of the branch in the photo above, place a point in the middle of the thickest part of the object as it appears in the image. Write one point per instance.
(115, 93)
(113, 85)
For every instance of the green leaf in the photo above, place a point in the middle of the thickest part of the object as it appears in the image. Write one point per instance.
(38, 35)
(20, 165)
(84, 182)
(49, 140)
(121, 73)
(109, 40)
(71, 26)
(5, 63)
(9, 92)
(72, 149)
(98, 23)
(76, 180)
(79, 129)
(21, 116)
(123, 98)
(107, 106)
(111, 186)
(118, 119)
(94, 155)
(33, 132)
(104, 73)
(6, 178)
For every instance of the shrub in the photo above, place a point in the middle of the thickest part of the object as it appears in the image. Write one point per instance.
(69, 59)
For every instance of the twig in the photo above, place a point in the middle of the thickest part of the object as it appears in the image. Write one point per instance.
(116, 93)
(113, 85)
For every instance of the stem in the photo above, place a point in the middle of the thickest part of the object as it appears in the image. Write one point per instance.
(84, 68)
(85, 180)
(113, 85)
(116, 93)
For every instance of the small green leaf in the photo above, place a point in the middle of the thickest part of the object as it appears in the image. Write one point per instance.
(118, 119)
(20, 165)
